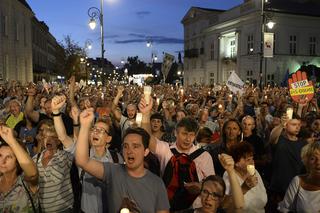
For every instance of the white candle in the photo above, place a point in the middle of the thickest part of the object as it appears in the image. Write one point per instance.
(124, 210)
(147, 92)
(289, 112)
(251, 170)
(139, 118)
(158, 101)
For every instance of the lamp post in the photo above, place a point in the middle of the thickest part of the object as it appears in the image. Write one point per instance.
(94, 13)
(270, 24)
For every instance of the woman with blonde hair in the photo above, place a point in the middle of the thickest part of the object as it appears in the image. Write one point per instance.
(303, 193)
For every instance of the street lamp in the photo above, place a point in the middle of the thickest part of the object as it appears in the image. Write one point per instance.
(88, 44)
(94, 13)
(270, 24)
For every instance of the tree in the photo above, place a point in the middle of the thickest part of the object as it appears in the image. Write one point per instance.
(135, 66)
(73, 53)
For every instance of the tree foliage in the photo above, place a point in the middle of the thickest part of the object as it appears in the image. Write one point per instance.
(73, 52)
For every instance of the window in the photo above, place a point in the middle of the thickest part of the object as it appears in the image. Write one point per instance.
(5, 24)
(293, 44)
(17, 31)
(5, 66)
(249, 75)
(202, 48)
(212, 51)
(232, 48)
(250, 44)
(25, 34)
(312, 45)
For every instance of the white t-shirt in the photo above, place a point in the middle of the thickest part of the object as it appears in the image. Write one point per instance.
(255, 199)
(306, 201)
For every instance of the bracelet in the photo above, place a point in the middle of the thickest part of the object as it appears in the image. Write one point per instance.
(54, 115)
(76, 125)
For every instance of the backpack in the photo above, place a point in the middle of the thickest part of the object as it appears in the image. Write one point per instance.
(180, 169)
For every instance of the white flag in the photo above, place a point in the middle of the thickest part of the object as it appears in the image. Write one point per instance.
(268, 45)
(235, 84)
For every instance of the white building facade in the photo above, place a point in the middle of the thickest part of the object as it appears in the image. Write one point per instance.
(217, 42)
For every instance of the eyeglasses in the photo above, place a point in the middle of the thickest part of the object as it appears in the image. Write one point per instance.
(99, 130)
(214, 195)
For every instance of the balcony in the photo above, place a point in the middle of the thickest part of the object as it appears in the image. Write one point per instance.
(192, 53)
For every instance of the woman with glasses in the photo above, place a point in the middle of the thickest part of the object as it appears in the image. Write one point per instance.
(212, 194)
(93, 195)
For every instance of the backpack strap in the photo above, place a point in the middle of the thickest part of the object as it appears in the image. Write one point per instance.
(175, 151)
(114, 156)
(29, 196)
(196, 153)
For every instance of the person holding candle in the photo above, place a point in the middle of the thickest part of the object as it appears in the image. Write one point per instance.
(255, 196)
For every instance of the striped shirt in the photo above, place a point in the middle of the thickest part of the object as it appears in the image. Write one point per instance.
(55, 189)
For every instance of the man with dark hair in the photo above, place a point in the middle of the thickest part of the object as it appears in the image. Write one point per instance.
(286, 159)
(128, 185)
(186, 131)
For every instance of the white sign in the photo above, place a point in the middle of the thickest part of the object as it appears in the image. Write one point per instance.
(268, 45)
(235, 84)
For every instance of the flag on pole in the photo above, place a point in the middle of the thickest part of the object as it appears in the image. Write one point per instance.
(166, 64)
(268, 45)
(235, 84)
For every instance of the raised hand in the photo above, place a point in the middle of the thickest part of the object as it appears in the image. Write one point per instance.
(301, 90)
(251, 181)
(226, 161)
(31, 91)
(74, 113)
(145, 108)
(86, 117)
(120, 90)
(57, 103)
(6, 134)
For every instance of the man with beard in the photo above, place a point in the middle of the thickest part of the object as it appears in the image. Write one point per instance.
(129, 185)
(125, 122)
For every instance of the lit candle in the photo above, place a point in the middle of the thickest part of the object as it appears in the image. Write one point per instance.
(251, 170)
(289, 112)
(124, 210)
(139, 118)
(220, 106)
(158, 101)
(147, 92)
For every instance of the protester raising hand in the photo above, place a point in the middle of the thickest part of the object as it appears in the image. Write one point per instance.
(86, 117)
(145, 108)
(57, 103)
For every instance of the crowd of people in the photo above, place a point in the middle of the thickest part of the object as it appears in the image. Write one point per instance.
(122, 148)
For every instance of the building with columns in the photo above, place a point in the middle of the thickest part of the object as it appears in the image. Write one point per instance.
(217, 42)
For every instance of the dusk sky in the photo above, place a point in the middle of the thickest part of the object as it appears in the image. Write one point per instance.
(128, 24)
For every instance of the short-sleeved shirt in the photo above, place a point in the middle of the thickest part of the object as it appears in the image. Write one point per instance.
(17, 199)
(124, 124)
(148, 192)
(286, 163)
(55, 188)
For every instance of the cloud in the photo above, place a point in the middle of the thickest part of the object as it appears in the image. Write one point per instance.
(142, 14)
(140, 38)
